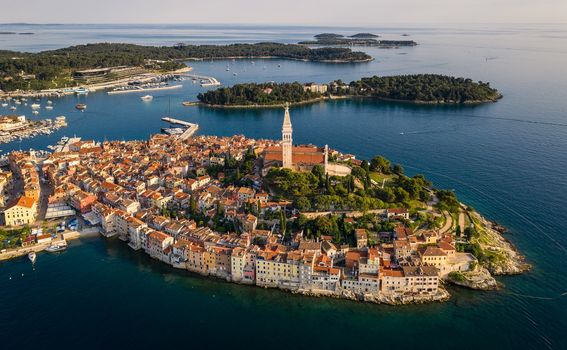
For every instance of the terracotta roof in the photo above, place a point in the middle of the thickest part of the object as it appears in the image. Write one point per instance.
(26, 202)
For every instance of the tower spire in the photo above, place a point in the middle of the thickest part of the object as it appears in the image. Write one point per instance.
(287, 139)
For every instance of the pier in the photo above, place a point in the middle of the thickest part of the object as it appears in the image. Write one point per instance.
(157, 88)
(191, 128)
(205, 81)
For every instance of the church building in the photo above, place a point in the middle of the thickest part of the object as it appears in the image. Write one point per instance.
(299, 158)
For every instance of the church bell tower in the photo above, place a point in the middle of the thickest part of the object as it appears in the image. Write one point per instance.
(287, 140)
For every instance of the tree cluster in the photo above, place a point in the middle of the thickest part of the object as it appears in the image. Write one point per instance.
(425, 88)
(258, 94)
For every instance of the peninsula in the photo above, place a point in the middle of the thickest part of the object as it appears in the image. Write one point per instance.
(302, 218)
(60, 68)
(420, 88)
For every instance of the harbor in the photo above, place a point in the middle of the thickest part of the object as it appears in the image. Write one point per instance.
(187, 130)
(205, 81)
(17, 128)
(144, 88)
(142, 78)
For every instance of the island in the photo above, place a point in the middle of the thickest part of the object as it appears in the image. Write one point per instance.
(418, 88)
(57, 69)
(364, 36)
(306, 219)
(360, 39)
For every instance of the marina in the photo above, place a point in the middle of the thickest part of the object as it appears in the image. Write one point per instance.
(144, 88)
(19, 128)
(188, 130)
(205, 81)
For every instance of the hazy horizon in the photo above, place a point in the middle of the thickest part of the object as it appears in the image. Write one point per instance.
(355, 13)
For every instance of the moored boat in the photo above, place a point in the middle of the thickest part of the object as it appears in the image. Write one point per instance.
(54, 248)
(81, 106)
(32, 256)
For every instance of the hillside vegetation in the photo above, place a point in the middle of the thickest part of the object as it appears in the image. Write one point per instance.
(34, 71)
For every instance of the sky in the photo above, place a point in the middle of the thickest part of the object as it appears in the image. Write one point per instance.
(285, 12)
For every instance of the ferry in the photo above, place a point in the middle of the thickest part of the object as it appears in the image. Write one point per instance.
(56, 248)
(81, 106)
(32, 256)
(147, 98)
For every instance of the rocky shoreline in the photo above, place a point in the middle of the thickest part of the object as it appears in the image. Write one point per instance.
(478, 279)
(442, 296)
(513, 262)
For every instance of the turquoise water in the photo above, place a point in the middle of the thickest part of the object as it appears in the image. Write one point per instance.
(508, 160)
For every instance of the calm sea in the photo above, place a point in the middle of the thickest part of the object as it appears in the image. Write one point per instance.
(508, 160)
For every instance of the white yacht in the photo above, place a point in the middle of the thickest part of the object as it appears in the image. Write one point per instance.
(54, 248)
(147, 98)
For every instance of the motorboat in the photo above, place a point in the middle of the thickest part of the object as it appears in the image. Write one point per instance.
(81, 106)
(32, 256)
(147, 98)
(54, 248)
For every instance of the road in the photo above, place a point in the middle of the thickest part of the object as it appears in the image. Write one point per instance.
(448, 223)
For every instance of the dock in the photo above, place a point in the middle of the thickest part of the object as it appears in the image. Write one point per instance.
(157, 88)
(205, 81)
(190, 128)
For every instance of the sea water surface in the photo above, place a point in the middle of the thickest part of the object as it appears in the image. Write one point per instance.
(507, 159)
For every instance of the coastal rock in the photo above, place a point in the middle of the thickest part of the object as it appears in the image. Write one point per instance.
(479, 279)
(377, 298)
(511, 261)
